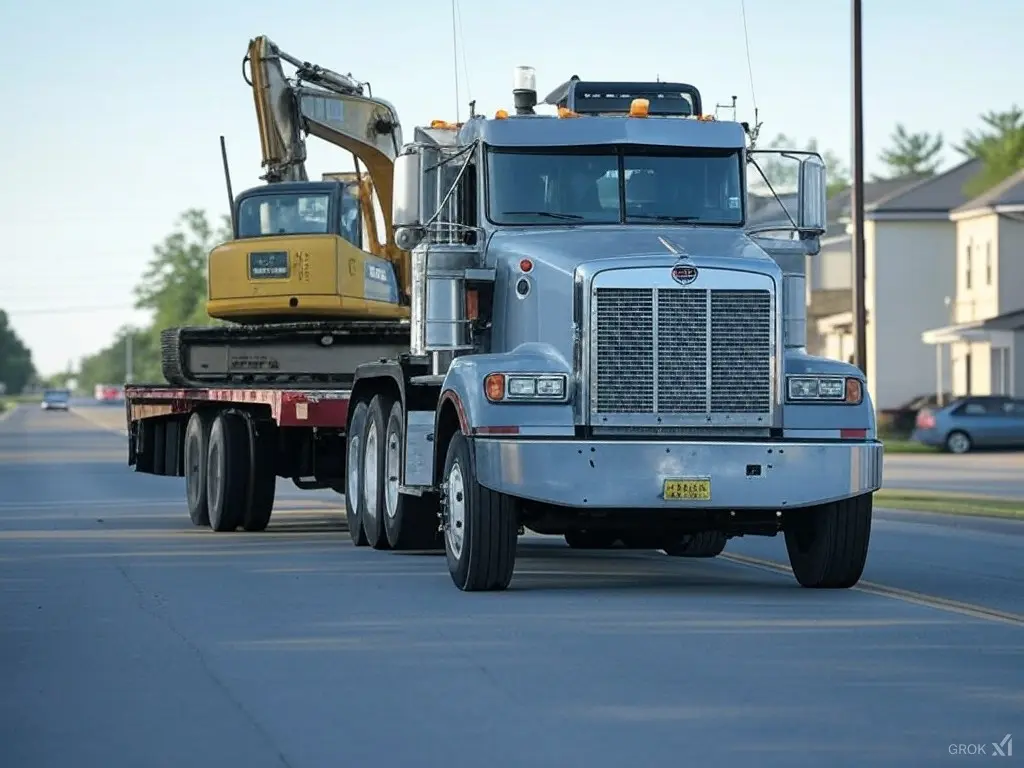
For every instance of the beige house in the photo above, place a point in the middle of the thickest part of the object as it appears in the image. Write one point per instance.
(985, 339)
(910, 253)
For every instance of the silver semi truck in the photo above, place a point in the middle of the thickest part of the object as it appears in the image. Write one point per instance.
(606, 344)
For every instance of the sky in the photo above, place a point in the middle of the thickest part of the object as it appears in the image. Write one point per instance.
(112, 110)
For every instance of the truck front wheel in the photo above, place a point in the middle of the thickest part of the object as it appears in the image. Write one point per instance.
(481, 526)
(828, 544)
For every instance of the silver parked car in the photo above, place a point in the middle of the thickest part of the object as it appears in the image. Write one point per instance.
(992, 421)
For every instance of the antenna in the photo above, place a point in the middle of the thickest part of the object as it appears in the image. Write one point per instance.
(754, 132)
(227, 180)
(455, 55)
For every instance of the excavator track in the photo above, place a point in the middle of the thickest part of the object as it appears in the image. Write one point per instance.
(311, 355)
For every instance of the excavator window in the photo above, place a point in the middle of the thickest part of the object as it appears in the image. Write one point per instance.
(350, 225)
(268, 215)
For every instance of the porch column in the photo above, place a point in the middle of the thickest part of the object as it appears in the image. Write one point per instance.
(938, 373)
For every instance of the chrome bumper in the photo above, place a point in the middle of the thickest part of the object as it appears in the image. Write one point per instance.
(627, 474)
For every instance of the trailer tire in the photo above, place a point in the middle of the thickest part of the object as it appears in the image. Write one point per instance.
(228, 471)
(196, 450)
(828, 544)
(585, 539)
(481, 525)
(410, 522)
(262, 475)
(372, 471)
(703, 544)
(354, 473)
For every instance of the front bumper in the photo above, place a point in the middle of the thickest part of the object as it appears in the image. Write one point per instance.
(631, 474)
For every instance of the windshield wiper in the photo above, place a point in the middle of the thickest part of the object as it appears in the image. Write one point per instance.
(549, 214)
(660, 217)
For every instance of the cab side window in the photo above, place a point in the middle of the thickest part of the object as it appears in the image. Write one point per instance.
(350, 224)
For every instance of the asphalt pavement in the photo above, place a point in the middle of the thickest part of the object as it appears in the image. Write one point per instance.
(129, 638)
(985, 473)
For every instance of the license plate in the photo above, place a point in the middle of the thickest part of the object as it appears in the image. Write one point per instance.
(687, 489)
(268, 264)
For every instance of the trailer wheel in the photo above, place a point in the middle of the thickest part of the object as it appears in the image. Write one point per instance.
(585, 539)
(410, 522)
(373, 464)
(828, 544)
(353, 474)
(703, 544)
(197, 443)
(481, 525)
(262, 475)
(227, 471)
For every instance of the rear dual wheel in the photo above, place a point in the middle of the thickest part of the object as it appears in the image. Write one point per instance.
(229, 471)
(378, 514)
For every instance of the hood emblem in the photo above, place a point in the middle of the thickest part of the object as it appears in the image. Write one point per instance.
(684, 274)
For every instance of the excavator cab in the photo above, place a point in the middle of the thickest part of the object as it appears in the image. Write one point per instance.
(300, 251)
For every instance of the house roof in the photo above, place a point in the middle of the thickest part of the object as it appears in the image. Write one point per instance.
(829, 301)
(936, 195)
(839, 203)
(1008, 192)
(976, 329)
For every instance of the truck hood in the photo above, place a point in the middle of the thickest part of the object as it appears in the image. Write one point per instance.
(564, 248)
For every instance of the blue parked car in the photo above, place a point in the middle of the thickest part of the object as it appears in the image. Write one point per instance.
(972, 422)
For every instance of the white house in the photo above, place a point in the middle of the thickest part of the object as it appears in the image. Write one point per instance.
(910, 255)
(986, 337)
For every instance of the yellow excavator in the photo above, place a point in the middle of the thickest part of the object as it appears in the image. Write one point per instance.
(311, 283)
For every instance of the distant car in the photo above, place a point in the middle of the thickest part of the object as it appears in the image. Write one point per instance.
(55, 400)
(972, 422)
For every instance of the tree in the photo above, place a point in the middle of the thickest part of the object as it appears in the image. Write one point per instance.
(912, 154)
(173, 288)
(1000, 147)
(16, 368)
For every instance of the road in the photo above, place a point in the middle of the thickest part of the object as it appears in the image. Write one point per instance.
(131, 639)
(987, 473)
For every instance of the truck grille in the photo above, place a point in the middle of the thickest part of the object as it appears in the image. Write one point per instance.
(682, 351)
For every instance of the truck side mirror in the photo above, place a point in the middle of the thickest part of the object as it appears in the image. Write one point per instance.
(812, 195)
(405, 206)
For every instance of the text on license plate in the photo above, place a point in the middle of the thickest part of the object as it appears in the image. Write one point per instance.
(693, 489)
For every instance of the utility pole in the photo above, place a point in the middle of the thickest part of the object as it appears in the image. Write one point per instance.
(857, 199)
(128, 362)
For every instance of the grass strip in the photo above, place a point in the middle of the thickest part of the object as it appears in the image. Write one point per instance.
(951, 503)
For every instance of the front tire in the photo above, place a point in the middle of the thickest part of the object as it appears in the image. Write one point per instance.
(263, 475)
(410, 522)
(481, 525)
(828, 544)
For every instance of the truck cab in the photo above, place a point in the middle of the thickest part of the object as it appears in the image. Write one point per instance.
(619, 350)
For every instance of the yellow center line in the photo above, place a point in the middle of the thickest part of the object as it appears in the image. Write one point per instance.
(894, 593)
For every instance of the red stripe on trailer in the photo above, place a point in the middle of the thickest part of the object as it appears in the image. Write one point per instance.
(289, 408)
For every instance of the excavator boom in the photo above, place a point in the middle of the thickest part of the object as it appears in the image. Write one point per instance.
(331, 106)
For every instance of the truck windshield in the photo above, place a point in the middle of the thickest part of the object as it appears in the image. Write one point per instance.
(283, 214)
(588, 186)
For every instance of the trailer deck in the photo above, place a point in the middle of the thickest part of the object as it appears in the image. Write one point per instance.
(286, 407)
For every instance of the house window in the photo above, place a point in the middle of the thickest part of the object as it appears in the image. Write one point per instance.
(988, 263)
(967, 272)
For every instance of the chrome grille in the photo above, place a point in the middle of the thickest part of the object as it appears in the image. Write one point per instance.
(682, 351)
